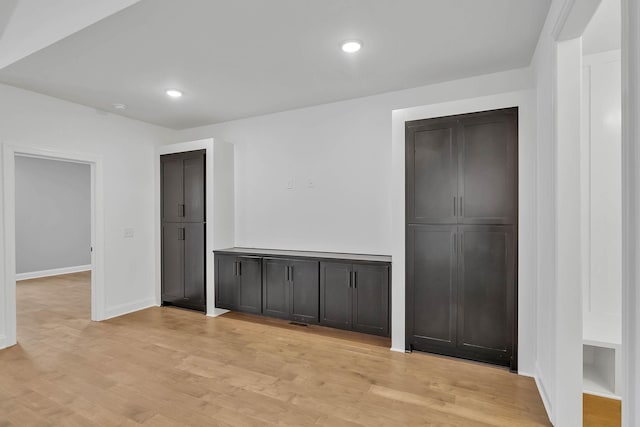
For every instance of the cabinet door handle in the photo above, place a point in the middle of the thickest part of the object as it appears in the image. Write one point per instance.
(239, 268)
(286, 273)
(355, 280)
(350, 279)
(454, 205)
(290, 273)
(455, 244)
(461, 206)
(180, 210)
(180, 233)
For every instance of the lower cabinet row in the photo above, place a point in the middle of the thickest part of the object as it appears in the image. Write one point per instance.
(339, 294)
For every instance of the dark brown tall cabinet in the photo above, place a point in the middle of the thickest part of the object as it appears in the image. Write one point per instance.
(461, 212)
(183, 229)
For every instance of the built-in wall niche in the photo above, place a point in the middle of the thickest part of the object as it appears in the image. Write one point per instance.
(601, 370)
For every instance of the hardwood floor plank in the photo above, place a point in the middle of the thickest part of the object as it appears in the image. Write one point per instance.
(172, 367)
(601, 412)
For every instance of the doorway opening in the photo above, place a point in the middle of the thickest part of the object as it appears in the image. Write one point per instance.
(93, 275)
(52, 243)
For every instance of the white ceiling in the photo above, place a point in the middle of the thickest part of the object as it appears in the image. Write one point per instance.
(241, 58)
(27, 26)
(604, 31)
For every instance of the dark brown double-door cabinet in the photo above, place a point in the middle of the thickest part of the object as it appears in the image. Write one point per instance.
(355, 297)
(290, 289)
(333, 293)
(461, 214)
(182, 191)
(239, 283)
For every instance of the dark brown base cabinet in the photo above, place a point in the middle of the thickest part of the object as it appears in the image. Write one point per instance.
(290, 289)
(355, 296)
(238, 283)
(337, 293)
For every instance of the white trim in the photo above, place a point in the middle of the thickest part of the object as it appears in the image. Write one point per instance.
(215, 312)
(562, 18)
(52, 272)
(630, 212)
(3, 342)
(605, 395)
(129, 307)
(544, 396)
(398, 350)
(602, 57)
(9, 153)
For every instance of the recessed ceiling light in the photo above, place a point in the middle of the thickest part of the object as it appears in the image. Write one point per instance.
(351, 46)
(119, 106)
(173, 93)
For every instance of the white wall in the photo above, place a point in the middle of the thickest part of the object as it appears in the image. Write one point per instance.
(557, 70)
(338, 158)
(568, 293)
(53, 214)
(544, 65)
(602, 196)
(126, 149)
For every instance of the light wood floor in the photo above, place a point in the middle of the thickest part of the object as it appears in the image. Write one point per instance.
(170, 367)
(601, 412)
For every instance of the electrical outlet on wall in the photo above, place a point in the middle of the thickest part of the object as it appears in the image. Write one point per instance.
(128, 233)
(311, 183)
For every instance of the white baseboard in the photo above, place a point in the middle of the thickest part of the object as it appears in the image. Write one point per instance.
(3, 342)
(398, 350)
(215, 312)
(52, 272)
(544, 396)
(130, 307)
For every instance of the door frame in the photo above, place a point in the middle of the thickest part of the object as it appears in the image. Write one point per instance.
(9, 153)
(525, 100)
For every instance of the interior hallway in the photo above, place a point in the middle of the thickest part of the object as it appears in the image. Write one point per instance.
(166, 366)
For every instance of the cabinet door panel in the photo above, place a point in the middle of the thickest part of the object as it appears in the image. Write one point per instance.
(194, 254)
(305, 291)
(488, 178)
(371, 299)
(226, 282)
(275, 288)
(431, 287)
(335, 294)
(250, 284)
(171, 187)
(487, 291)
(431, 172)
(172, 262)
(194, 191)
